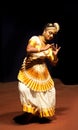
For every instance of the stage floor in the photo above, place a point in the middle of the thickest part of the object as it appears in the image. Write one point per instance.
(66, 117)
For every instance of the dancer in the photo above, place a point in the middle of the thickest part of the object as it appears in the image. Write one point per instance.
(36, 85)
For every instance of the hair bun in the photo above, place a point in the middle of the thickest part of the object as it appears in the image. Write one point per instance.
(56, 25)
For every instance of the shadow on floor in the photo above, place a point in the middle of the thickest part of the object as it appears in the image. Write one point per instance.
(28, 118)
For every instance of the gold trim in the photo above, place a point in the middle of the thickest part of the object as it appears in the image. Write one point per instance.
(44, 112)
(35, 85)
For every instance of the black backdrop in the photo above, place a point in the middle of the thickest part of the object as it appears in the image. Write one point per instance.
(19, 23)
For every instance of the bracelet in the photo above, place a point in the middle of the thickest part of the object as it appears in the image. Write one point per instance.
(38, 49)
(56, 59)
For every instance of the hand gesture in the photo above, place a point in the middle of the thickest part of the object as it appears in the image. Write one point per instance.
(55, 49)
(48, 46)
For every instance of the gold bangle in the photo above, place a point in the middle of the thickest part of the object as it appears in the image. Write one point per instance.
(38, 49)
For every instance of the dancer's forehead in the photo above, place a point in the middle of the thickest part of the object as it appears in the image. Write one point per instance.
(51, 29)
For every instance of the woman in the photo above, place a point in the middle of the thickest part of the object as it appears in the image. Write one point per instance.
(36, 86)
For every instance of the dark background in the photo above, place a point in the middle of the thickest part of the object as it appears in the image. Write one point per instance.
(19, 22)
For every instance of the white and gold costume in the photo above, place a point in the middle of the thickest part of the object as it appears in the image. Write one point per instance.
(36, 86)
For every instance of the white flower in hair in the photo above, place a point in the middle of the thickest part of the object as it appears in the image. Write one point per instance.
(56, 25)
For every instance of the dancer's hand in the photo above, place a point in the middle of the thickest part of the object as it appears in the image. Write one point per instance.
(55, 49)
